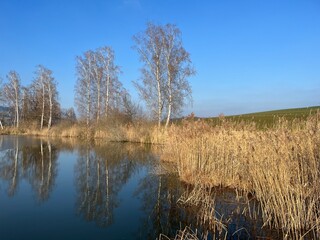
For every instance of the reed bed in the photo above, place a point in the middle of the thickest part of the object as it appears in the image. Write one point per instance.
(139, 133)
(203, 199)
(207, 219)
(185, 234)
(279, 166)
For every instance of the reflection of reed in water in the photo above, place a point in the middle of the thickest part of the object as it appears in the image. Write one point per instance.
(219, 213)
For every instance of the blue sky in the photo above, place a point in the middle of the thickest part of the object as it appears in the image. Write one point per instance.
(249, 55)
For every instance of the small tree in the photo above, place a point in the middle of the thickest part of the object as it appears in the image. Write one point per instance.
(69, 115)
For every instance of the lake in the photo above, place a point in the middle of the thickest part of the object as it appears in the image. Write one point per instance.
(67, 189)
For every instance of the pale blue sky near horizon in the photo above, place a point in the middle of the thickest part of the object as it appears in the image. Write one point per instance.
(249, 55)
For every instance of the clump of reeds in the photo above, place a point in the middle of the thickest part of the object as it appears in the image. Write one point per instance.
(280, 166)
(185, 234)
(203, 199)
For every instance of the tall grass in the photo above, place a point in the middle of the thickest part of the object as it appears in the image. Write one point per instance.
(279, 166)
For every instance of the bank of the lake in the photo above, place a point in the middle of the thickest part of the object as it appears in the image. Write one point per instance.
(278, 166)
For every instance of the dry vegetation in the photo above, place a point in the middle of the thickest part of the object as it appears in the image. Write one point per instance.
(110, 131)
(279, 166)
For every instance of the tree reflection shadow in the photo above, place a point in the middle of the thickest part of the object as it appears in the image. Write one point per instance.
(101, 171)
(35, 162)
(159, 193)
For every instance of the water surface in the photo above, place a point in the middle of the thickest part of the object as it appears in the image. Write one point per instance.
(62, 189)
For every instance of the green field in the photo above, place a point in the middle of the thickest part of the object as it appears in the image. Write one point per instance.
(269, 118)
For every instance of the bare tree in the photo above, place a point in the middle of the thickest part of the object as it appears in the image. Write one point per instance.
(25, 103)
(110, 73)
(98, 89)
(39, 86)
(178, 69)
(69, 115)
(12, 92)
(83, 91)
(45, 88)
(149, 45)
(97, 70)
(131, 110)
(167, 66)
(51, 86)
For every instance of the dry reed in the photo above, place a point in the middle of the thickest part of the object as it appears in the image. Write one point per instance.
(279, 166)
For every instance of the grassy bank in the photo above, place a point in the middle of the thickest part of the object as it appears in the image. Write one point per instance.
(267, 119)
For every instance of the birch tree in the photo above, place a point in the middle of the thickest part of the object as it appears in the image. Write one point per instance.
(164, 82)
(83, 91)
(178, 68)
(97, 77)
(98, 88)
(39, 85)
(45, 92)
(110, 72)
(51, 86)
(12, 92)
(149, 45)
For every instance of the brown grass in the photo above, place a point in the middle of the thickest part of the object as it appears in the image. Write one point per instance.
(279, 166)
(143, 132)
(185, 234)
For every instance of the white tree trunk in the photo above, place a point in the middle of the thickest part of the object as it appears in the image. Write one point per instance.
(169, 86)
(169, 109)
(107, 94)
(50, 93)
(160, 106)
(16, 103)
(88, 101)
(159, 103)
(43, 100)
(98, 102)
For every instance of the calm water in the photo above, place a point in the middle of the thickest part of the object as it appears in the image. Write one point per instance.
(59, 189)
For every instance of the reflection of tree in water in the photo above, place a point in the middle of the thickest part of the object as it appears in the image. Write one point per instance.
(101, 171)
(40, 168)
(9, 168)
(35, 163)
(159, 194)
